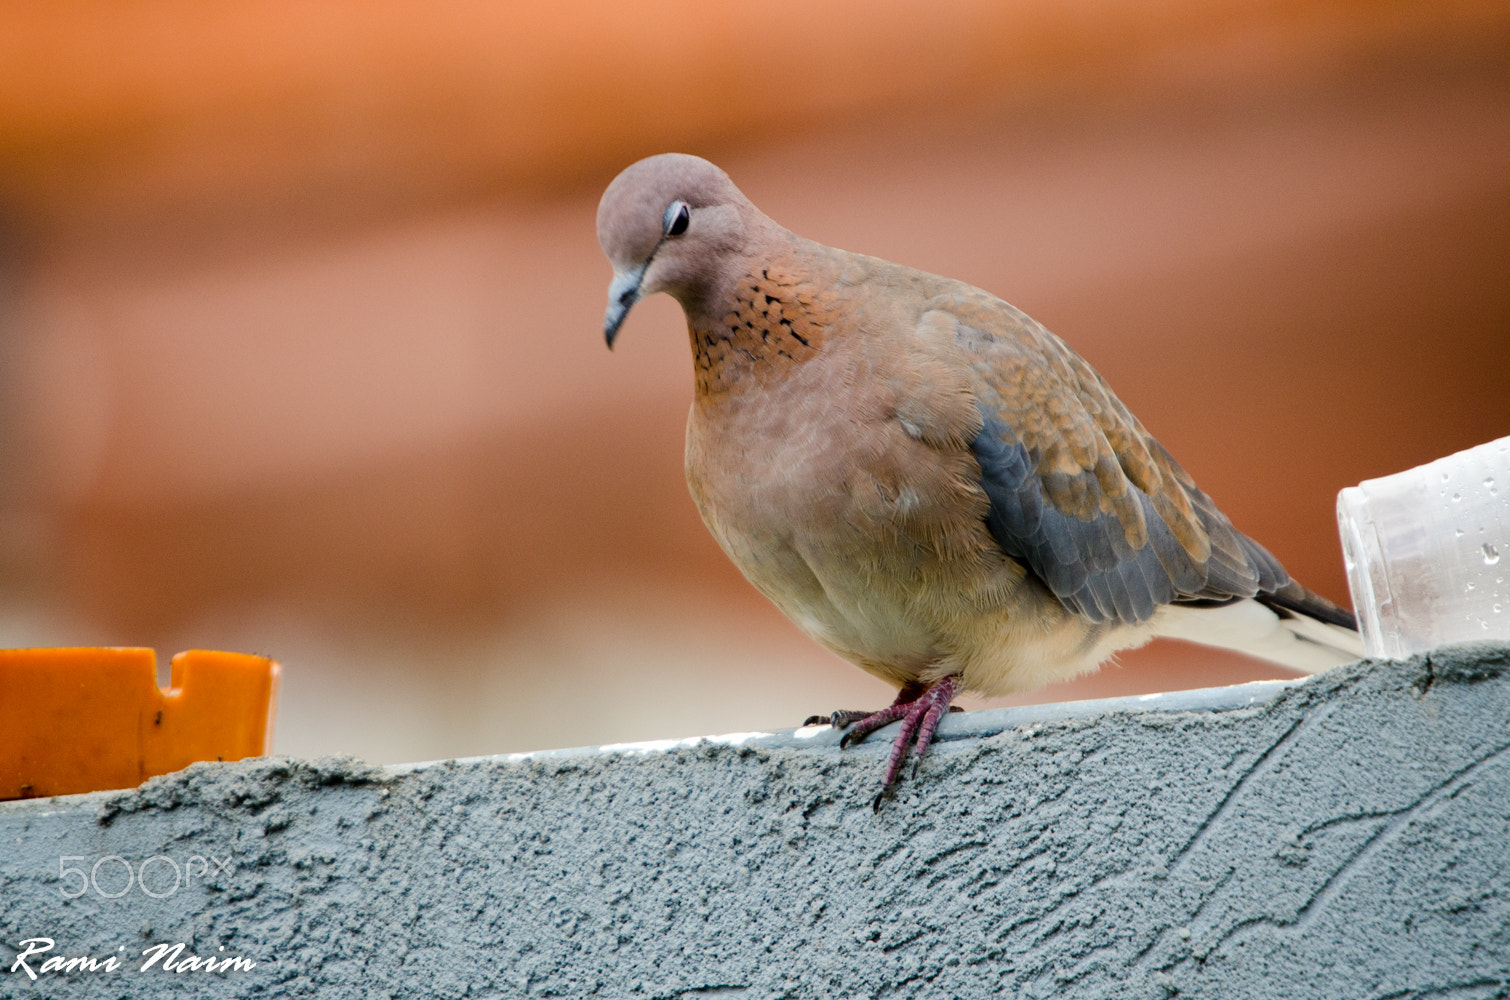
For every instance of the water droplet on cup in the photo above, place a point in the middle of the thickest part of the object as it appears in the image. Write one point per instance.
(1457, 498)
(1491, 554)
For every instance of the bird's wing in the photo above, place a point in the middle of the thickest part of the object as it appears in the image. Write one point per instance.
(1079, 491)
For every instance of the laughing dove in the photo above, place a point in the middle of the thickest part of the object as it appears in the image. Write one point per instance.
(925, 480)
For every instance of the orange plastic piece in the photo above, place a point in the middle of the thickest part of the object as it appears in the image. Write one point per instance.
(88, 719)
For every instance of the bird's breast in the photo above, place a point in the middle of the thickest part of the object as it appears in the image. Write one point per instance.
(856, 529)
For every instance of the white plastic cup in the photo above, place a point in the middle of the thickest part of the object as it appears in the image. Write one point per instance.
(1428, 552)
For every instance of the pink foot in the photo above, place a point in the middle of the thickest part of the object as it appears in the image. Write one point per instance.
(920, 709)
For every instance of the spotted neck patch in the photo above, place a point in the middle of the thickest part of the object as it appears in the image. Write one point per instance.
(776, 324)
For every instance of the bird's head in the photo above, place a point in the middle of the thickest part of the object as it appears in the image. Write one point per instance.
(668, 223)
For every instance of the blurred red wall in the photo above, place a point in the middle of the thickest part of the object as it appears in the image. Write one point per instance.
(301, 346)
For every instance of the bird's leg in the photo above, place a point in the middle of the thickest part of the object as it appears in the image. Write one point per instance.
(920, 709)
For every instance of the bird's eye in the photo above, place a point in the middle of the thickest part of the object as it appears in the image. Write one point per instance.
(678, 216)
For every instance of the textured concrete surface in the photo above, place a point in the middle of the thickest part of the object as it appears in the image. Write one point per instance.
(1343, 837)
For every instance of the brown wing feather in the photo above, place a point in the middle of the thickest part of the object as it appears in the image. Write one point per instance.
(1080, 491)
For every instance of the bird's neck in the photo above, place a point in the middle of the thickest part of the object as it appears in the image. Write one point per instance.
(761, 327)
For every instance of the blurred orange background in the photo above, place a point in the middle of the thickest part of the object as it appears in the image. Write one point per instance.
(300, 342)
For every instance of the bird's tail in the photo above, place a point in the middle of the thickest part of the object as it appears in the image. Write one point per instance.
(1292, 627)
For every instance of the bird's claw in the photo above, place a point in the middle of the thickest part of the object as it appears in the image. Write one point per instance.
(841, 718)
(919, 712)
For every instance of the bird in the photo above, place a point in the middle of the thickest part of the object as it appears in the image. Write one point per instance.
(923, 478)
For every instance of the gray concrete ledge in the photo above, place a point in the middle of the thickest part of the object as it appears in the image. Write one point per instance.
(1343, 837)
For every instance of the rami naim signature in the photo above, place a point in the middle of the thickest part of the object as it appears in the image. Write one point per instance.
(166, 957)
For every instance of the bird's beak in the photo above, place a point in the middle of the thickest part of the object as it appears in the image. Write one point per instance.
(623, 292)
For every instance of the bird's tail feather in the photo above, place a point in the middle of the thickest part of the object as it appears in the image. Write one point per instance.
(1273, 630)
